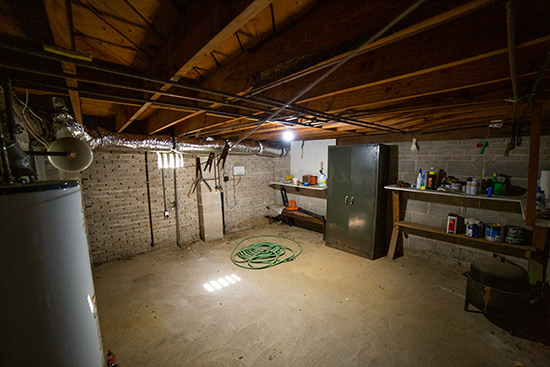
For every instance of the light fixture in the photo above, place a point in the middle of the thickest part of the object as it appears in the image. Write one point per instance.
(288, 135)
(169, 160)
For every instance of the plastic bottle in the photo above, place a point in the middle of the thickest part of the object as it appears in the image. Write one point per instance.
(423, 182)
(431, 179)
(419, 179)
(540, 199)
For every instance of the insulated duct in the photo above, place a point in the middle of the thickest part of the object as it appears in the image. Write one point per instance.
(102, 138)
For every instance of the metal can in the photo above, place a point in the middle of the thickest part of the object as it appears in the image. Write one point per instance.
(515, 235)
(456, 186)
(474, 228)
(493, 232)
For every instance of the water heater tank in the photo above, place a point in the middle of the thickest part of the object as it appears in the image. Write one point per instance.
(48, 312)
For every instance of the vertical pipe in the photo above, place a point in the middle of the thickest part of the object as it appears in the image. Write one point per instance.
(177, 209)
(164, 194)
(149, 200)
(8, 104)
(7, 177)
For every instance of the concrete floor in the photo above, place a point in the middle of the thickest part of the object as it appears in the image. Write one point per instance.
(326, 308)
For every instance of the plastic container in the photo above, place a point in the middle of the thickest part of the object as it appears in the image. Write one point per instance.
(430, 184)
(419, 179)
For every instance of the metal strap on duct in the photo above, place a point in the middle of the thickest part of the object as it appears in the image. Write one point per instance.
(102, 138)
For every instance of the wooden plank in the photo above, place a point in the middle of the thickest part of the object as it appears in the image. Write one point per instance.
(456, 77)
(185, 49)
(424, 52)
(59, 17)
(463, 240)
(302, 46)
(396, 217)
(533, 168)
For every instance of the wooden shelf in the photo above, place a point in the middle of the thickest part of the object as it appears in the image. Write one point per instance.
(513, 199)
(480, 243)
(308, 187)
(310, 190)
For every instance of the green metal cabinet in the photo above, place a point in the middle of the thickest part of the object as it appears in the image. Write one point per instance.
(356, 201)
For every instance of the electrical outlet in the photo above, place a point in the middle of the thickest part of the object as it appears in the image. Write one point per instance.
(238, 170)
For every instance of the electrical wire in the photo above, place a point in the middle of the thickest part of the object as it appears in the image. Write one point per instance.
(27, 124)
(263, 254)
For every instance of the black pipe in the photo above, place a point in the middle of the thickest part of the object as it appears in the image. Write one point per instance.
(149, 200)
(115, 85)
(177, 210)
(8, 105)
(262, 101)
(223, 212)
(7, 177)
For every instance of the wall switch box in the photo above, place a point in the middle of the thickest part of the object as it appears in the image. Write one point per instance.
(238, 170)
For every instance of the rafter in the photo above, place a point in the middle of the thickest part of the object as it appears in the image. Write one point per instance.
(277, 57)
(60, 19)
(186, 49)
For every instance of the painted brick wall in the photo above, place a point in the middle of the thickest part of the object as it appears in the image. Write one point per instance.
(115, 197)
(461, 158)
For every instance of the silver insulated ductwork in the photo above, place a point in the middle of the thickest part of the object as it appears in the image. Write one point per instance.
(102, 138)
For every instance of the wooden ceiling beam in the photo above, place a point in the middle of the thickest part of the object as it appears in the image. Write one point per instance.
(448, 45)
(60, 19)
(217, 20)
(495, 69)
(283, 55)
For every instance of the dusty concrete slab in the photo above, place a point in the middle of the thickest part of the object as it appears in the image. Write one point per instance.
(326, 308)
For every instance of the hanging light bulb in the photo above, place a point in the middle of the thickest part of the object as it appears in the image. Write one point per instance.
(288, 135)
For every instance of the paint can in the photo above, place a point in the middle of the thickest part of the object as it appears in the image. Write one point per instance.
(516, 235)
(474, 227)
(456, 186)
(493, 232)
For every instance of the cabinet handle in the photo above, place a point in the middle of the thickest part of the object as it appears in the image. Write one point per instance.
(351, 201)
(346, 199)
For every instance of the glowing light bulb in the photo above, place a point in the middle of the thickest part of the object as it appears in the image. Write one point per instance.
(288, 135)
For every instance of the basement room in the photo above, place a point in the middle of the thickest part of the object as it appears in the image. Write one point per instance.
(274, 183)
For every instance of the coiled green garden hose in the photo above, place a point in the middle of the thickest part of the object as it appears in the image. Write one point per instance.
(264, 254)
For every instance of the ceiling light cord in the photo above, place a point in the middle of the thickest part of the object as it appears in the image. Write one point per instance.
(333, 68)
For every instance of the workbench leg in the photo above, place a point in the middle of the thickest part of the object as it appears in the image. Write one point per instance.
(393, 242)
(395, 232)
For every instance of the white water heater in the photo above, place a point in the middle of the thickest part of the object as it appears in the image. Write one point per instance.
(48, 312)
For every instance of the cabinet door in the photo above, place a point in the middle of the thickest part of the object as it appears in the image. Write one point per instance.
(363, 190)
(337, 191)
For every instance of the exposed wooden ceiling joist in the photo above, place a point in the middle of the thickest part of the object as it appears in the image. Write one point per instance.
(186, 49)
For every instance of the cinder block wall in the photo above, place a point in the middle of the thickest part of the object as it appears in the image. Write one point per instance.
(461, 158)
(114, 191)
(246, 197)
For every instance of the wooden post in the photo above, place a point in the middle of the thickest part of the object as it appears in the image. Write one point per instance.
(395, 232)
(533, 170)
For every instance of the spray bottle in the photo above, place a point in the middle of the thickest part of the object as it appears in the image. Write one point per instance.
(322, 177)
